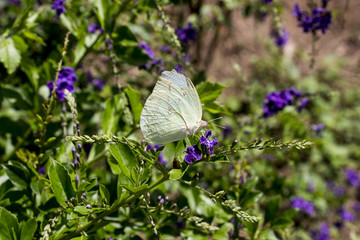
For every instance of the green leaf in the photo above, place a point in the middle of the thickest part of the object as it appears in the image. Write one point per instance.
(87, 185)
(9, 226)
(251, 228)
(138, 191)
(37, 186)
(125, 37)
(215, 108)
(28, 230)
(82, 210)
(135, 103)
(8, 91)
(209, 92)
(132, 55)
(29, 68)
(113, 111)
(115, 169)
(20, 44)
(282, 223)
(105, 194)
(179, 150)
(222, 158)
(60, 182)
(271, 209)
(176, 174)
(102, 11)
(9, 55)
(17, 173)
(125, 158)
(33, 36)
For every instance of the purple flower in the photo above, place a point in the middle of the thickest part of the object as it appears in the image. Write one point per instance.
(207, 143)
(346, 215)
(42, 170)
(227, 132)
(109, 43)
(318, 19)
(68, 73)
(352, 176)
(15, 2)
(165, 48)
(193, 154)
(186, 34)
(66, 79)
(356, 206)
(58, 6)
(276, 101)
(178, 68)
(147, 48)
(323, 233)
(267, 1)
(76, 179)
(186, 58)
(339, 191)
(303, 205)
(151, 54)
(302, 105)
(280, 37)
(92, 28)
(161, 158)
(98, 83)
(88, 206)
(317, 128)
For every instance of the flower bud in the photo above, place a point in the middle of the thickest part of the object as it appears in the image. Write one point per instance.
(234, 143)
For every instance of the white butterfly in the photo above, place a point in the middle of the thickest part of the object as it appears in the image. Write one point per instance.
(173, 110)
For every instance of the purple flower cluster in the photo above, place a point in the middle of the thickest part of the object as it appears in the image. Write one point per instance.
(58, 6)
(15, 2)
(337, 190)
(346, 215)
(66, 80)
(280, 37)
(277, 101)
(92, 28)
(143, 45)
(318, 19)
(42, 170)
(98, 83)
(352, 176)
(207, 144)
(322, 234)
(317, 128)
(186, 34)
(267, 1)
(194, 153)
(303, 205)
(161, 156)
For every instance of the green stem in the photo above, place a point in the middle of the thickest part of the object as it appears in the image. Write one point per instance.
(113, 209)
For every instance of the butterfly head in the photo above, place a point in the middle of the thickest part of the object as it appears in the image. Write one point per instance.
(203, 124)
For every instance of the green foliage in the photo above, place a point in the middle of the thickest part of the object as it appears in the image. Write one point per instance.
(79, 168)
(60, 182)
(9, 54)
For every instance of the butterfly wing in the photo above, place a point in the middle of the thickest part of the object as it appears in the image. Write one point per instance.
(171, 109)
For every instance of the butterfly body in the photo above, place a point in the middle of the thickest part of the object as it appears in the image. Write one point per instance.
(173, 110)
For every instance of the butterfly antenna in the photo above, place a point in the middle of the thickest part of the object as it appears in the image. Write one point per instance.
(218, 125)
(215, 119)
